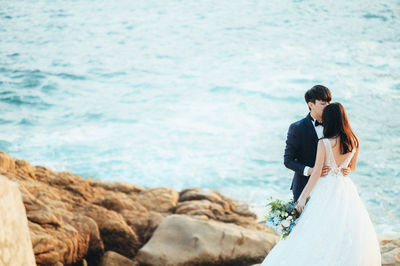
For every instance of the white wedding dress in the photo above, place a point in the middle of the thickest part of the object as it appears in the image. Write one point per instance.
(334, 228)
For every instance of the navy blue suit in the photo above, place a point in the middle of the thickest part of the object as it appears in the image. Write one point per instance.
(300, 151)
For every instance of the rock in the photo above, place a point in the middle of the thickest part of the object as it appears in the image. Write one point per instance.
(124, 187)
(15, 241)
(7, 163)
(118, 202)
(199, 194)
(206, 204)
(74, 220)
(181, 240)
(390, 249)
(111, 258)
(116, 234)
(143, 223)
(200, 207)
(76, 239)
(59, 235)
(161, 199)
(88, 235)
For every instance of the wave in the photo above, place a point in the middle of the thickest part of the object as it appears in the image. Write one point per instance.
(373, 16)
(247, 92)
(30, 100)
(5, 145)
(38, 74)
(4, 121)
(69, 76)
(26, 122)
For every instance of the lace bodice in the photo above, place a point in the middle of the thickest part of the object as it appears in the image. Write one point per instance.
(330, 159)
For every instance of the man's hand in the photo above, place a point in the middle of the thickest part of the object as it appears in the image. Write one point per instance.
(346, 171)
(325, 171)
(310, 171)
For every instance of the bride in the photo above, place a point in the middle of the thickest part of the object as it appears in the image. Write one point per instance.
(334, 227)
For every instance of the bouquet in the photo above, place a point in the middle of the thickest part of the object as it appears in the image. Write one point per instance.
(282, 215)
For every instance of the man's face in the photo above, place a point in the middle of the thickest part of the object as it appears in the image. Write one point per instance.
(318, 107)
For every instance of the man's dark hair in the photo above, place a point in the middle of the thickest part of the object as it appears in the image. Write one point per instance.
(318, 92)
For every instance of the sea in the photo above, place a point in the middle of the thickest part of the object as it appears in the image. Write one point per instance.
(199, 93)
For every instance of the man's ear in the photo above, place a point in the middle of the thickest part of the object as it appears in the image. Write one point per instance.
(310, 104)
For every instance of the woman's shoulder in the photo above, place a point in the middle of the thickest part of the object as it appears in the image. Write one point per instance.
(334, 139)
(356, 141)
(322, 141)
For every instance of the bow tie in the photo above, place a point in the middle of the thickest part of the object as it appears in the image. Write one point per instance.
(317, 123)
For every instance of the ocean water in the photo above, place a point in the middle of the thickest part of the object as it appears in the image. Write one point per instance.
(199, 93)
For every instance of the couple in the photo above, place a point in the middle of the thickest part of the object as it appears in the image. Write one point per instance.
(334, 227)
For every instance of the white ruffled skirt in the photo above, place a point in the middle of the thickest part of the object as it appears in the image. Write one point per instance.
(333, 229)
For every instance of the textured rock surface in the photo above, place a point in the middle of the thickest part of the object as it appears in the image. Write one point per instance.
(74, 220)
(390, 249)
(111, 258)
(15, 242)
(181, 240)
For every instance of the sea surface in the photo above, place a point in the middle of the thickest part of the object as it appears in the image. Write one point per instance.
(199, 93)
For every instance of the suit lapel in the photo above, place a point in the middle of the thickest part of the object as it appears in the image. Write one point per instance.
(311, 128)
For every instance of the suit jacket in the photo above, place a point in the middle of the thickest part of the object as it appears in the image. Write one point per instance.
(300, 151)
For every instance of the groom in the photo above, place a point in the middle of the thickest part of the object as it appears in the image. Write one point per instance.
(302, 140)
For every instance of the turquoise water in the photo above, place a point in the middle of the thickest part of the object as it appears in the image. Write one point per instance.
(199, 93)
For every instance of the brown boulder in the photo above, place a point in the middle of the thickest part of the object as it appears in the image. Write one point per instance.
(181, 240)
(161, 199)
(124, 187)
(115, 232)
(76, 239)
(143, 223)
(15, 241)
(111, 258)
(73, 220)
(7, 163)
(119, 201)
(199, 194)
(390, 249)
(206, 204)
(200, 207)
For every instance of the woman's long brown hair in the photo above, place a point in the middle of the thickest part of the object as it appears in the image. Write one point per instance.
(336, 124)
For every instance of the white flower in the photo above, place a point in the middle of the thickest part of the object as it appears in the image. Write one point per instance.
(286, 214)
(290, 218)
(285, 223)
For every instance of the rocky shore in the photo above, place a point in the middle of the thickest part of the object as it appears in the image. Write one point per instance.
(84, 221)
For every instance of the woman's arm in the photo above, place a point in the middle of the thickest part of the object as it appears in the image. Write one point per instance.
(353, 162)
(316, 174)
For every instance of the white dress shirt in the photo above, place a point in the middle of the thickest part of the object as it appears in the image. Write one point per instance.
(319, 130)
